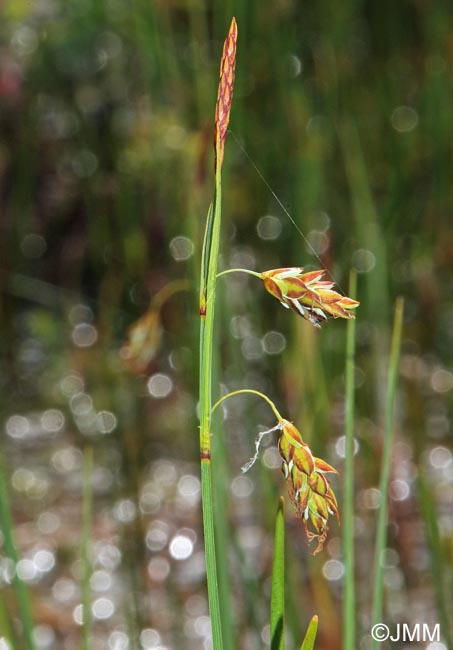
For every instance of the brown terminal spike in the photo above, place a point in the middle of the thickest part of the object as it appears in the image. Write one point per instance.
(225, 92)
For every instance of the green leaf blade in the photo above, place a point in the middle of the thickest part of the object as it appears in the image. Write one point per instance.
(278, 583)
(381, 532)
(310, 637)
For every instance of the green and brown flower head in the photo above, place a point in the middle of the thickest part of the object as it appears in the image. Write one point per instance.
(308, 294)
(309, 489)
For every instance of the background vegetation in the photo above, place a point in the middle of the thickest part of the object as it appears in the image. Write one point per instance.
(106, 113)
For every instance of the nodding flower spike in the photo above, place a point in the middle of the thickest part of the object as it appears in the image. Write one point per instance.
(308, 294)
(225, 92)
(309, 489)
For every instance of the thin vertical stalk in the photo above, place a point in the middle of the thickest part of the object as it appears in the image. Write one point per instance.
(6, 524)
(87, 524)
(209, 263)
(381, 534)
(223, 532)
(348, 517)
(278, 582)
(207, 312)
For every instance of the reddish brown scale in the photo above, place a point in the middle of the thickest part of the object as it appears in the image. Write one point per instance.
(225, 93)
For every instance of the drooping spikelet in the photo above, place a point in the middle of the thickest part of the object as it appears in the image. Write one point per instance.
(225, 92)
(309, 489)
(307, 294)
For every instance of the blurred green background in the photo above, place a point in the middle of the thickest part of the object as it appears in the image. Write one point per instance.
(106, 112)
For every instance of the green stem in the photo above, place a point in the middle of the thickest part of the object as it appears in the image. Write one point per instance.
(257, 275)
(278, 583)
(348, 516)
(381, 534)
(207, 311)
(253, 392)
(6, 525)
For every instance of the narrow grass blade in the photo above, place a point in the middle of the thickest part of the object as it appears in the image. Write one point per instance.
(278, 583)
(437, 555)
(6, 525)
(381, 534)
(207, 311)
(348, 507)
(309, 641)
(207, 240)
(367, 224)
(210, 552)
(86, 540)
(222, 529)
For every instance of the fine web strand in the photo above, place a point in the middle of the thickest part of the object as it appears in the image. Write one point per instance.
(285, 210)
(245, 468)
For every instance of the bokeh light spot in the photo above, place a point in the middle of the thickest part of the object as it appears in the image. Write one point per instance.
(442, 381)
(101, 580)
(271, 458)
(370, 498)
(125, 511)
(106, 422)
(103, 609)
(273, 342)
(84, 335)
(399, 490)
(241, 487)
(363, 260)
(157, 536)
(318, 242)
(52, 420)
(118, 640)
(440, 457)
(295, 65)
(33, 246)
(18, 426)
(333, 569)
(159, 385)
(189, 486)
(404, 119)
(158, 568)
(340, 446)
(43, 636)
(44, 560)
(149, 639)
(77, 614)
(181, 248)
(181, 547)
(269, 227)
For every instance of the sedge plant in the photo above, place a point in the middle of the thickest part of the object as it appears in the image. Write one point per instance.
(313, 298)
(209, 264)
